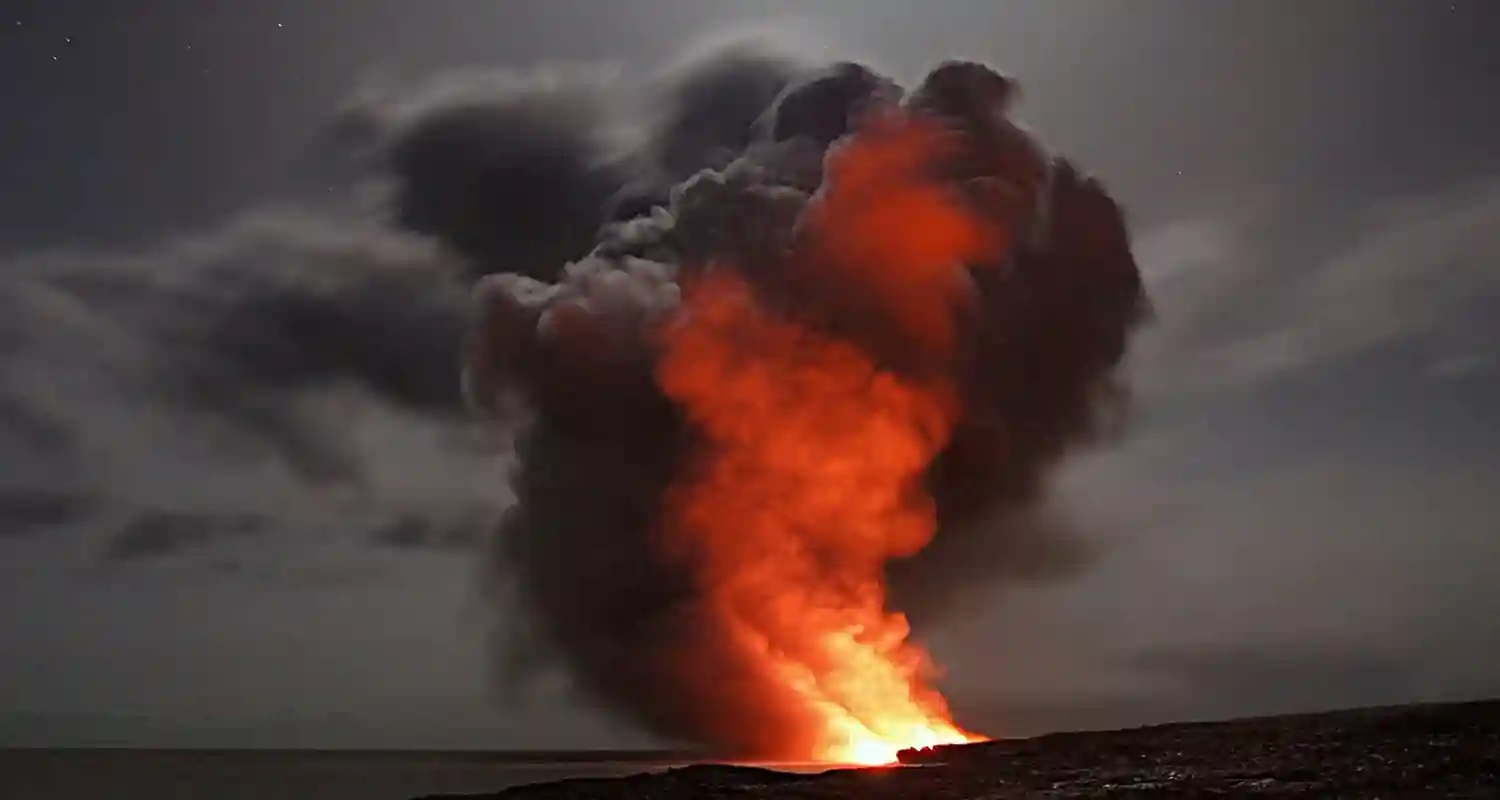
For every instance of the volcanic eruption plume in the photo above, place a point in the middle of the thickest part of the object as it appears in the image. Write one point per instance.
(799, 407)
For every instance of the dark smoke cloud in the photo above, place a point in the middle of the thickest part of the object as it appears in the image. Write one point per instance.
(518, 173)
(511, 171)
(583, 198)
(713, 108)
(601, 443)
(508, 187)
(1056, 325)
(820, 106)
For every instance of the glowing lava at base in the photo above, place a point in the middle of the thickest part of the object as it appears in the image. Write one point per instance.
(807, 485)
(891, 726)
(809, 475)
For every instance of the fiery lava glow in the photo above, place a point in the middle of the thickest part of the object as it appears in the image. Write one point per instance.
(809, 476)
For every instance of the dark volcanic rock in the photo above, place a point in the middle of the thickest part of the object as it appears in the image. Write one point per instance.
(1432, 751)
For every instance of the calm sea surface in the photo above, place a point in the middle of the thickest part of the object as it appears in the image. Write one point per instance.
(282, 775)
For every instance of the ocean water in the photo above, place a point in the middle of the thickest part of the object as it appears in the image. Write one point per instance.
(286, 775)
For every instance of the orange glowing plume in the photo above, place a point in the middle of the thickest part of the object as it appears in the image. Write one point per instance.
(809, 477)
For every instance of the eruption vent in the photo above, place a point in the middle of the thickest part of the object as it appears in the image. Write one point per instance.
(774, 424)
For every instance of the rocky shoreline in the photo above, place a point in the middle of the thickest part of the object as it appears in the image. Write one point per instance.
(1427, 751)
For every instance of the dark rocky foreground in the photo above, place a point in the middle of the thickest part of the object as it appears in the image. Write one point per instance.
(1431, 751)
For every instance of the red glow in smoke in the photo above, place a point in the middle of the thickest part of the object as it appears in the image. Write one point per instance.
(809, 478)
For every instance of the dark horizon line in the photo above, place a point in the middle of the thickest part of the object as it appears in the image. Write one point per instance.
(628, 755)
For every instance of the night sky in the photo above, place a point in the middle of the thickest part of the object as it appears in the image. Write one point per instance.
(219, 527)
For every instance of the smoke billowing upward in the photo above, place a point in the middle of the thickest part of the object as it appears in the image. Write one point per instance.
(1004, 293)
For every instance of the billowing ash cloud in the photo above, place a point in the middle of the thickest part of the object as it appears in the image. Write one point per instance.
(574, 360)
(585, 200)
(510, 171)
(711, 111)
